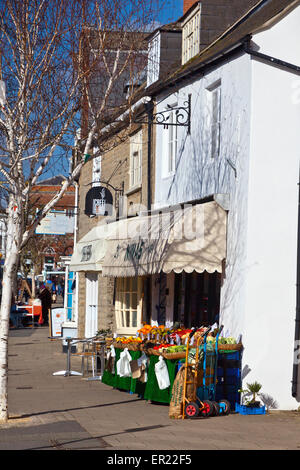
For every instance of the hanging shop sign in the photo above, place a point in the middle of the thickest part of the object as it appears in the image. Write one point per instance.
(98, 201)
(56, 223)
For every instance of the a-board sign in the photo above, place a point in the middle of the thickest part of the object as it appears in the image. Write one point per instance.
(57, 319)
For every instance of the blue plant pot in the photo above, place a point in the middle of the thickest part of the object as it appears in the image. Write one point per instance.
(247, 410)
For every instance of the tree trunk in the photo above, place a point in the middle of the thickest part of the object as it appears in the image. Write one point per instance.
(33, 293)
(14, 227)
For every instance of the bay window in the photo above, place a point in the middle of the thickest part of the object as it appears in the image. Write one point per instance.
(128, 304)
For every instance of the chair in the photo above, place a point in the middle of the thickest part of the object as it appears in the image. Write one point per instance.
(88, 353)
(100, 347)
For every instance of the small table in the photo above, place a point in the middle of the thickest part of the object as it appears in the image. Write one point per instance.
(32, 311)
(68, 372)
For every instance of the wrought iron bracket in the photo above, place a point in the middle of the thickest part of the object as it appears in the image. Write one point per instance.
(181, 116)
(117, 190)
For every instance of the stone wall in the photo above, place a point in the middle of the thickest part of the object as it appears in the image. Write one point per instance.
(115, 168)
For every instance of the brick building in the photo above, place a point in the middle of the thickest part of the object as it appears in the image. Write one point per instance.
(125, 167)
(54, 236)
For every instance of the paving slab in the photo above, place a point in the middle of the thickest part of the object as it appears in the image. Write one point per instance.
(50, 412)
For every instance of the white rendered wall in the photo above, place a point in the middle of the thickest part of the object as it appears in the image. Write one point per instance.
(198, 175)
(270, 306)
(258, 294)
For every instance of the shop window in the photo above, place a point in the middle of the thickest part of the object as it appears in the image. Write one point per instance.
(197, 298)
(128, 304)
(136, 159)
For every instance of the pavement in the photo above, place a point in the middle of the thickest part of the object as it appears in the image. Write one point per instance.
(48, 412)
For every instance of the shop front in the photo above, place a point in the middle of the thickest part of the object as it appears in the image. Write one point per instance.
(167, 273)
(163, 268)
(168, 267)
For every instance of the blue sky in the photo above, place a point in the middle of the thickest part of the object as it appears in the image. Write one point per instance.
(172, 11)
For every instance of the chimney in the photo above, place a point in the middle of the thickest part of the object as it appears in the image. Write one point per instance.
(187, 4)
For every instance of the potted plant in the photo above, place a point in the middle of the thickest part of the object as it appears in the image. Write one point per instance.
(254, 389)
(250, 404)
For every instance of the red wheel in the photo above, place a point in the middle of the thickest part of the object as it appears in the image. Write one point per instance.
(191, 410)
(208, 408)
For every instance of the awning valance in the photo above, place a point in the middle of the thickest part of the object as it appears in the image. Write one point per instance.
(189, 238)
(90, 250)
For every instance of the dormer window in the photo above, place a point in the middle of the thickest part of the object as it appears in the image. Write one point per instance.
(191, 35)
(153, 60)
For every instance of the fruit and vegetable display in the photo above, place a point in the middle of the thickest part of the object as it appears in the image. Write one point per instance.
(152, 332)
(128, 339)
(162, 339)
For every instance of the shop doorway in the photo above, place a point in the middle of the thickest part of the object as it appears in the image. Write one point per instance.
(197, 298)
(91, 317)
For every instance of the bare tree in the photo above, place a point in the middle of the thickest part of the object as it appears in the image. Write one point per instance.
(50, 53)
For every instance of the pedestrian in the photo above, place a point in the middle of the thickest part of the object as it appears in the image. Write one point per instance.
(15, 315)
(59, 289)
(54, 291)
(62, 285)
(46, 299)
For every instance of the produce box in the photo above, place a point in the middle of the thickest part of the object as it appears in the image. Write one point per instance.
(124, 383)
(229, 379)
(152, 391)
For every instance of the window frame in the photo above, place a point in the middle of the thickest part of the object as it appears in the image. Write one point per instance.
(96, 170)
(215, 108)
(172, 143)
(191, 36)
(125, 311)
(153, 64)
(136, 155)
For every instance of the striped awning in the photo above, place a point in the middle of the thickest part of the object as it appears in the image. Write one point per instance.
(189, 238)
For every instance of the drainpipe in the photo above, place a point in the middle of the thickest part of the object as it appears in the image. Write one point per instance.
(75, 241)
(76, 213)
(297, 320)
(149, 110)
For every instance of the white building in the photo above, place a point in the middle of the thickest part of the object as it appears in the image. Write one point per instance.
(243, 150)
